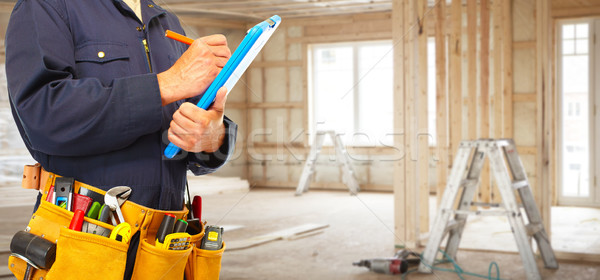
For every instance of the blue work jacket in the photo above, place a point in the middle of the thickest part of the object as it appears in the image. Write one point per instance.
(84, 94)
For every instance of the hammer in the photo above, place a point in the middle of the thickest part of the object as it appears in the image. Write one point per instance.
(37, 252)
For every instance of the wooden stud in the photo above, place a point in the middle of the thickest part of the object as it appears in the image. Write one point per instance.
(455, 76)
(412, 194)
(441, 100)
(471, 100)
(399, 177)
(497, 98)
(287, 129)
(422, 123)
(472, 69)
(484, 5)
(305, 99)
(507, 56)
(544, 95)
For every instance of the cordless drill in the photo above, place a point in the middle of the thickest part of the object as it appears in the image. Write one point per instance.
(396, 265)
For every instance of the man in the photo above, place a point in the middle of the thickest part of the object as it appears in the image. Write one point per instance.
(96, 87)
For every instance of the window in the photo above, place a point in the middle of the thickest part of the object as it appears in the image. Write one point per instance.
(579, 125)
(352, 91)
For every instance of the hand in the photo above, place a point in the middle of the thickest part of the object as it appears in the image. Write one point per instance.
(194, 129)
(195, 70)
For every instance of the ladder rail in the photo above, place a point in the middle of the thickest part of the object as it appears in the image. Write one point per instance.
(441, 219)
(533, 215)
(478, 158)
(309, 166)
(515, 219)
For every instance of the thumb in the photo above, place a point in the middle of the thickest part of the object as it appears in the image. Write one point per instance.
(220, 99)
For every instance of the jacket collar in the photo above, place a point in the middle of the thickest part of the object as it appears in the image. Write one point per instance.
(149, 9)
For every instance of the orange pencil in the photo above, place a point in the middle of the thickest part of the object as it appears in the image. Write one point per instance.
(178, 37)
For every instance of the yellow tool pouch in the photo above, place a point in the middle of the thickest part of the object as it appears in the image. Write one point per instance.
(81, 255)
(204, 264)
(153, 262)
(77, 252)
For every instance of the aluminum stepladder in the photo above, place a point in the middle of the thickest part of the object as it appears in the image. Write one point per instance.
(342, 156)
(465, 176)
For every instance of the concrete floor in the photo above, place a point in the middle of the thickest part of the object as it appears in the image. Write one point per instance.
(360, 227)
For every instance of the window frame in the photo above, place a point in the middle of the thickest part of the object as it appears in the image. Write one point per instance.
(593, 198)
(355, 45)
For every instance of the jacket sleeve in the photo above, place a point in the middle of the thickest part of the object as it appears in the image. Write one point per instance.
(61, 114)
(204, 163)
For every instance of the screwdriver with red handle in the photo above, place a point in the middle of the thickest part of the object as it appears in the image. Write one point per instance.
(197, 207)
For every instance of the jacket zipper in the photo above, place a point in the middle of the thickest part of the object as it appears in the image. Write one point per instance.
(145, 42)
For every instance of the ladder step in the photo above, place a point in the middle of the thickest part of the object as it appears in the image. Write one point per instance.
(468, 183)
(483, 204)
(532, 229)
(503, 142)
(481, 212)
(520, 184)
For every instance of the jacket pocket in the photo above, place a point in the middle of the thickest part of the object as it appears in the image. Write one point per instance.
(83, 255)
(157, 263)
(103, 60)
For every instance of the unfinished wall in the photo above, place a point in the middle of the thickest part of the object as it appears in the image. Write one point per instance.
(278, 106)
(487, 88)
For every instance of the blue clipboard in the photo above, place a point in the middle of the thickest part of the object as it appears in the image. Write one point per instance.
(235, 67)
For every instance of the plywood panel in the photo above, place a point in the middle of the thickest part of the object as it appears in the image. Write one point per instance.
(296, 129)
(294, 51)
(274, 50)
(524, 70)
(255, 84)
(295, 31)
(275, 125)
(525, 124)
(523, 20)
(296, 90)
(256, 125)
(380, 173)
(276, 84)
(277, 171)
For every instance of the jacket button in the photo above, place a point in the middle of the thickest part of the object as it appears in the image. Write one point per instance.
(150, 6)
(101, 54)
(138, 28)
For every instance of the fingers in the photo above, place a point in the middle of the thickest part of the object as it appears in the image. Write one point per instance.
(220, 52)
(215, 40)
(194, 129)
(220, 99)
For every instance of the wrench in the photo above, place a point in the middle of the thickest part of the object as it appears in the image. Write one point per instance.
(114, 198)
